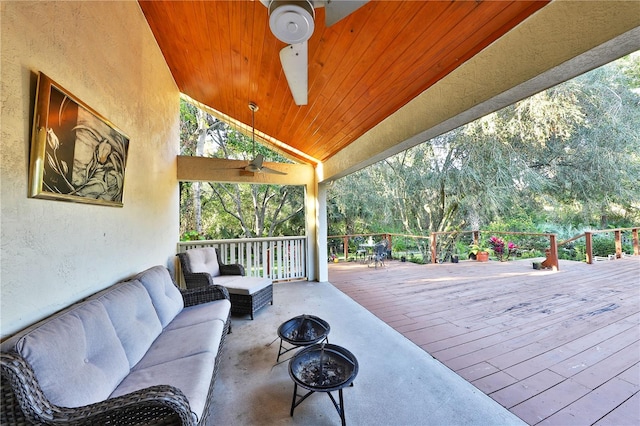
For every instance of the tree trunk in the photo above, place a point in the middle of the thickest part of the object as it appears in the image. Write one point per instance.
(202, 135)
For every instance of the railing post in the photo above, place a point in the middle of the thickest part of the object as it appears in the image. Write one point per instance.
(636, 249)
(346, 248)
(434, 254)
(553, 252)
(588, 236)
(476, 237)
(618, 236)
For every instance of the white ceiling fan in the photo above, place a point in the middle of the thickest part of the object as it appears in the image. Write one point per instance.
(292, 22)
(256, 165)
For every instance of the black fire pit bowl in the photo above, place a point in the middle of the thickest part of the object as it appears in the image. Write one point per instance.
(304, 330)
(323, 367)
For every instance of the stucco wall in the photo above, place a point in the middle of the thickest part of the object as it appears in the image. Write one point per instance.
(53, 252)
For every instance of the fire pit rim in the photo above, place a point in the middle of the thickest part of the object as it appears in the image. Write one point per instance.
(331, 348)
(291, 322)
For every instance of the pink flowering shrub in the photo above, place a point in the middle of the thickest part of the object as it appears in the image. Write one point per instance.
(502, 251)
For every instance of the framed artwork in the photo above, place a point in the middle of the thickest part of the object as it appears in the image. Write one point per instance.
(76, 154)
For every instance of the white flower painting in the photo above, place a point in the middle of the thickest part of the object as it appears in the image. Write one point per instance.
(83, 155)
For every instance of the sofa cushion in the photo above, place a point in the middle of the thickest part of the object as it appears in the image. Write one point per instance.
(216, 310)
(134, 318)
(77, 357)
(165, 296)
(192, 375)
(204, 259)
(237, 284)
(183, 342)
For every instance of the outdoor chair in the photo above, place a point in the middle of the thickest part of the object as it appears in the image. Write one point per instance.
(379, 254)
(203, 266)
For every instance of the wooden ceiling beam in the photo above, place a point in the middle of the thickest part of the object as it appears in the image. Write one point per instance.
(201, 169)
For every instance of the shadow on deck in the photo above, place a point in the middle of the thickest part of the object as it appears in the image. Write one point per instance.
(556, 348)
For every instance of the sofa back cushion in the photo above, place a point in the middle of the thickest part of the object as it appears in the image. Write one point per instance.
(134, 318)
(77, 357)
(204, 259)
(165, 296)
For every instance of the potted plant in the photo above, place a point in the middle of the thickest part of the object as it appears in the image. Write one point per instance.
(478, 251)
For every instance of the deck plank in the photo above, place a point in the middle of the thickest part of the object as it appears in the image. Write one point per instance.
(629, 409)
(594, 405)
(553, 347)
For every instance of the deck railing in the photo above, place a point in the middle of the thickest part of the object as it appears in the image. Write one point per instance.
(551, 252)
(411, 243)
(428, 245)
(279, 258)
(618, 235)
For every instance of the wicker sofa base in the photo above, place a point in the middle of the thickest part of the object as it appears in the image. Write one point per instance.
(23, 401)
(250, 303)
(126, 414)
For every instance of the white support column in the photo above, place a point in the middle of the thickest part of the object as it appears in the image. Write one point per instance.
(311, 225)
(322, 229)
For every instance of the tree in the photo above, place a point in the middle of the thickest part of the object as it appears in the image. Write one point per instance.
(568, 153)
(218, 210)
(353, 203)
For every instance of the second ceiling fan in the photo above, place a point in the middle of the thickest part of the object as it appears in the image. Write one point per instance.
(256, 165)
(293, 22)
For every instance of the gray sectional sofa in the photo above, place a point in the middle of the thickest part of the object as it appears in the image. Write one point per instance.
(139, 352)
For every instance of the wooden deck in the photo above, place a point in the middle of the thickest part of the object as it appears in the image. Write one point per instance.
(554, 348)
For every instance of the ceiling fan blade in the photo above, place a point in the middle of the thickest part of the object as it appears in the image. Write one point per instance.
(257, 162)
(335, 10)
(255, 165)
(294, 63)
(272, 171)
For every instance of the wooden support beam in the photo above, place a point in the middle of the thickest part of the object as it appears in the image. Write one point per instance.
(345, 244)
(203, 169)
(588, 236)
(434, 251)
(618, 237)
(551, 262)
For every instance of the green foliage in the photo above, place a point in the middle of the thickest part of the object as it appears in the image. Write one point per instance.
(480, 246)
(561, 161)
(399, 245)
(604, 245)
(572, 251)
(462, 249)
(192, 236)
(222, 211)
(569, 155)
(417, 258)
(520, 221)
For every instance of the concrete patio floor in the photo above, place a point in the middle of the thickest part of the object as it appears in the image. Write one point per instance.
(397, 384)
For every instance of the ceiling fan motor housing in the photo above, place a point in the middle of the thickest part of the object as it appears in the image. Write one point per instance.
(291, 22)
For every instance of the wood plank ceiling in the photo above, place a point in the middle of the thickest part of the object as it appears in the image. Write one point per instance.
(361, 70)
